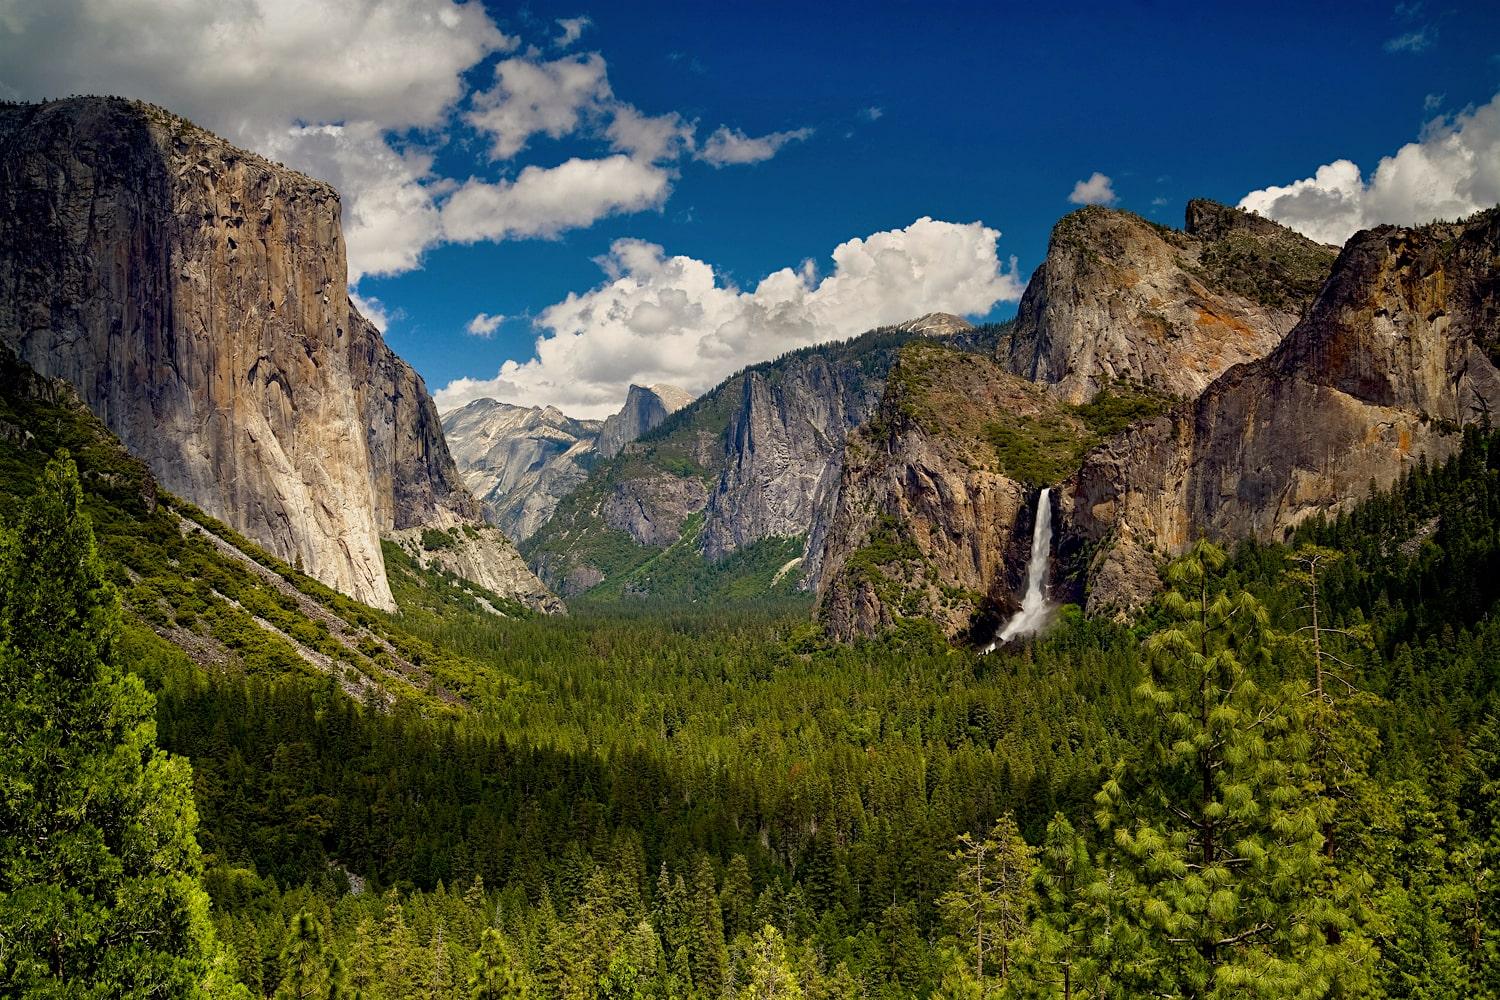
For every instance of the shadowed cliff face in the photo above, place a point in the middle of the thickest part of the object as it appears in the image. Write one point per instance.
(926, 520)
(1119, 298)
(754, 460)
(1394, 357)
(784, 450)
(195, 295)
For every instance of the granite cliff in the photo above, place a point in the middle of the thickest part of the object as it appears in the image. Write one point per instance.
(1151, 435)
(645, 408)
(1119, 298)
(1397, 354)
(195, 296)
(520, 461)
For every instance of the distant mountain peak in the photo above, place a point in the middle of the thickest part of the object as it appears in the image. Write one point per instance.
(936, 324)
(645, 407)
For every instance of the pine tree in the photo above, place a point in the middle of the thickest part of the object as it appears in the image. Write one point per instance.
(306, 971)
(99, 865)
(706, 941)
(1059, 959)
(987, 904)
(365, 978)
(767, 974)
(737, 897)
(494, 975)
(1217, 826)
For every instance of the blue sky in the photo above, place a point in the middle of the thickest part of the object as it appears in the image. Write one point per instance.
(963, 113)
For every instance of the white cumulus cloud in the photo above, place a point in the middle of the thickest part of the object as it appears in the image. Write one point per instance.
(649, 137)
(572, 30)
(1451, 170)
(544, 201)
(530, 98)
(728, 146)
(484, 325)
(1097, 190)
(662, 318)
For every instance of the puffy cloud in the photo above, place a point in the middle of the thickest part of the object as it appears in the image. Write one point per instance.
(1097, 190)
(572, 30)
(1452, 170)
(728, 146)
(484, 325)
(316, 84)
(254, 63)
(545, 201)
(373, 310)
(361, 93)
(661, 318)
(651, 138)
(538, 97)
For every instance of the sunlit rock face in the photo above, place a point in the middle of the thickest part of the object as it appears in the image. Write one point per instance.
(195, 295)
(520, 461)
(1393, 359)
(644, 410)
(1119, 298)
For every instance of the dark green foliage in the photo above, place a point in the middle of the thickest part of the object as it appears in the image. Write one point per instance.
(99, 890)
(1044, 450)
(657, 799)
(434, 539)
(1281, 271)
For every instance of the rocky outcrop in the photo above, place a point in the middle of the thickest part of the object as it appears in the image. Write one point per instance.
(520, 461)
(1120, 299)
(413, 479)
(652, 509)
(482, 555)
(1395, 356)
(194, 294)
(644, 410)
(784, 450)
(926, 522)
(936, 324)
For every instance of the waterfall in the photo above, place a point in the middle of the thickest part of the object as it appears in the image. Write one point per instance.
(1035, 608)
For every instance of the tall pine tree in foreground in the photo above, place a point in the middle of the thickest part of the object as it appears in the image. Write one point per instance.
(1219, 824)
(99, 890)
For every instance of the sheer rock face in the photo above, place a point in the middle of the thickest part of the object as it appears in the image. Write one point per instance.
(1395, 355)
(195, 296)
(414, 481)
(784, 451)
(757, 457)
(1121, 299)
(644, 410)
(520, 460)
(924, 523)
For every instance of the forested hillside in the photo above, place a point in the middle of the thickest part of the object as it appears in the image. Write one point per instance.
(1229, 797)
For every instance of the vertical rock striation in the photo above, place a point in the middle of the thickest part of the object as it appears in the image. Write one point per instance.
(195, 296)
(520, 461)
(1396, 355)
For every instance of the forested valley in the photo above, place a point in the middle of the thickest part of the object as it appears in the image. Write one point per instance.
(1231, 795)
